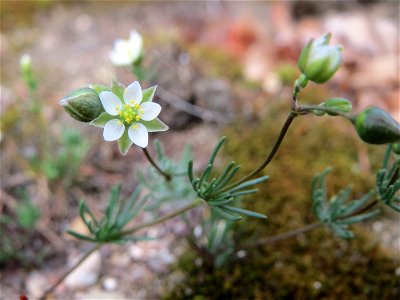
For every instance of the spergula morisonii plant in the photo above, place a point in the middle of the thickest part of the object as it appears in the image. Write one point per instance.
(128, 114)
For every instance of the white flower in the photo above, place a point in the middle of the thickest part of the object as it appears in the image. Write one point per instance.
(126, 52)
(129, 120)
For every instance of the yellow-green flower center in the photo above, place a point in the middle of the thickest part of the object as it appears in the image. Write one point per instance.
(130, 112)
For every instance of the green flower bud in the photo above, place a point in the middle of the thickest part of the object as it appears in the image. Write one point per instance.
(396, 148)
(375, 126)
(339, 104)
(319, 61)
(83, 104)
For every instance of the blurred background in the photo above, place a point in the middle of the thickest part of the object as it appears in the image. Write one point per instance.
(237, 60)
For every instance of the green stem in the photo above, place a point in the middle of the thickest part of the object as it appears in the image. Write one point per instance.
(270, 156)
(305, 109)
(155, 165)
(128, 231)
(283, 236)
(387, 156)
(69, 271)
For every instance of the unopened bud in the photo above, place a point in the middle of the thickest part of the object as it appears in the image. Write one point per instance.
(83, 104)
(319, 61)
(376, 126)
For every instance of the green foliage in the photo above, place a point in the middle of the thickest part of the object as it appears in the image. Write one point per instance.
(388, 181)
(159, 191)
(27, 214)
(217, 192)
(118, 213)
(64, 164)
(335, 212)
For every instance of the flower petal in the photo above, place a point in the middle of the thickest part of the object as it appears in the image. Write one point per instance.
(139, 135)
(151, 111)
(121, 55)
(133, 92)
(135, 45)
(113, 130)
(111, 102)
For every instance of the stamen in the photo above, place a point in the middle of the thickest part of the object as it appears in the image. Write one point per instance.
(141, 111)
(119, 122)
(137, 118)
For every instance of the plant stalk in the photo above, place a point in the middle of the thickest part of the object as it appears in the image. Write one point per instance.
(69, 271)
(155, 165)
(270, 156)
(282, 236)
(128, 231)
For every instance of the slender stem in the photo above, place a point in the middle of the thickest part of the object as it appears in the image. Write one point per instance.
(387, 156)
(69, 271)
(282, 236)
(128, 231)
(155, 165)
(270, 156)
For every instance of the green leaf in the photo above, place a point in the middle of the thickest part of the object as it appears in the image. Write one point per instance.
(226, 214)
(155, 125)
(339, 104)
(101, 120)
(81, 236)
(249, 183)
(359, 218)
(148, 94)
(245, 212)
(118, 89)
(124, 143)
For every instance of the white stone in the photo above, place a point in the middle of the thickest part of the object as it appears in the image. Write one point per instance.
(86, 274)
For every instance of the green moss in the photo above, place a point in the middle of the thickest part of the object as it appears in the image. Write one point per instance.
(215, 62)
(313, 266)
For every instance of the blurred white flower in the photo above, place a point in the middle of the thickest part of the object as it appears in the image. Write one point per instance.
(127, 52)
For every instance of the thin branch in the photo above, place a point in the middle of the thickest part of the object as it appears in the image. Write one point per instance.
(69, 271)
(270, 156)
(282, 236)
(195, 203)
(155, 165)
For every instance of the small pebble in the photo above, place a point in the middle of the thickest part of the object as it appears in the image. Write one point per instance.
(317, 285)
(110, 284)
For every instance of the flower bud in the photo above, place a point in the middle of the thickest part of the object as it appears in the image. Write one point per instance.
(319, 61)
(396, 148)
(375, 126)
(83, 104)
